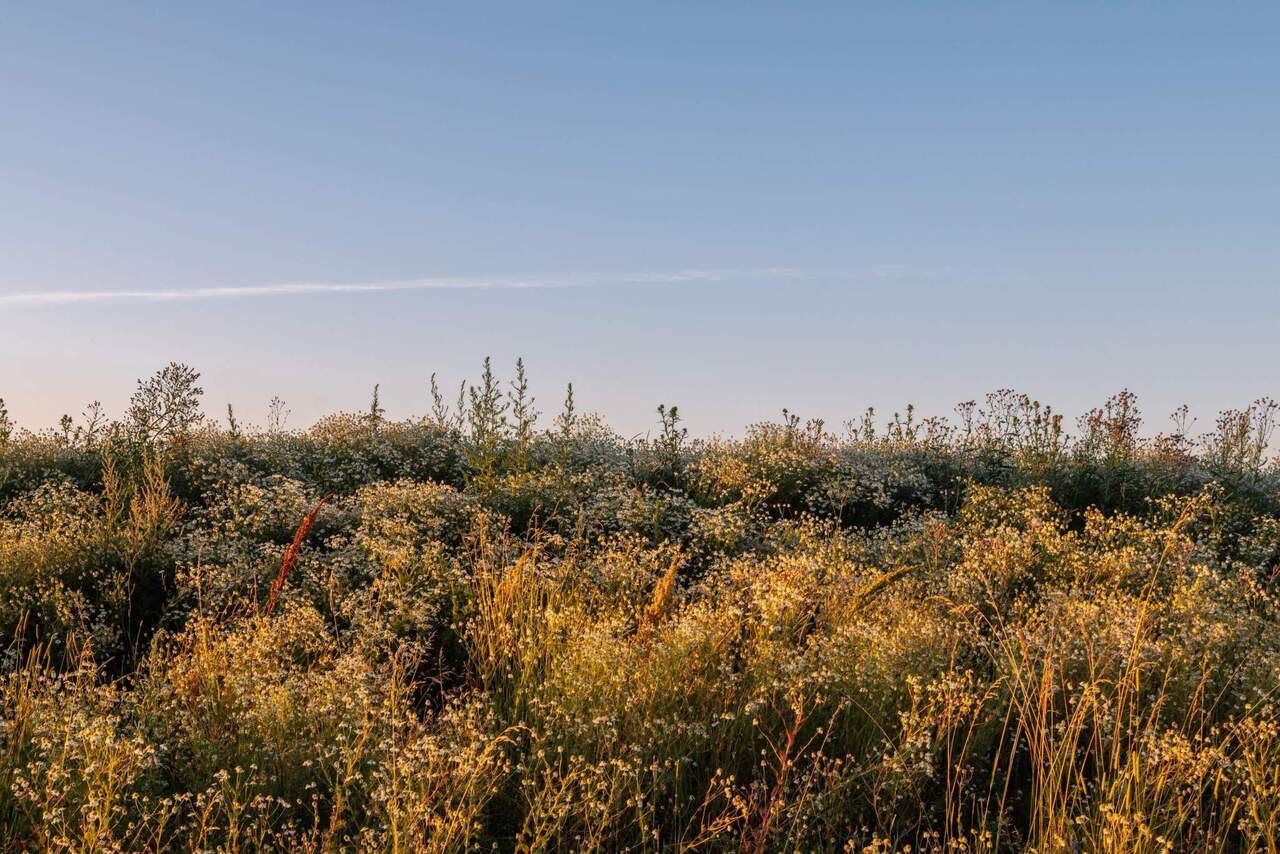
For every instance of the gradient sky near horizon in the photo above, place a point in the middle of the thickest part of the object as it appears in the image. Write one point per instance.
(728, 207)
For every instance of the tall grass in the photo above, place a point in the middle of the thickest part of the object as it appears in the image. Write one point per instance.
(983, 638)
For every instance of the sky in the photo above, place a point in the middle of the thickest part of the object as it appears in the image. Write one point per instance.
(733, 208)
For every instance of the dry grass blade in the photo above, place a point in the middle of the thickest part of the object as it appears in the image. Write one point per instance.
(663, 599)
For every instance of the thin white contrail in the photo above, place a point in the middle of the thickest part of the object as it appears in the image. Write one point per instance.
(55, 298)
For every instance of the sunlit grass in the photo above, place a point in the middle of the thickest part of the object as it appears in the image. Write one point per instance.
(983, 638)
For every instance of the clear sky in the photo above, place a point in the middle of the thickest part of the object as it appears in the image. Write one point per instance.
(730, 207)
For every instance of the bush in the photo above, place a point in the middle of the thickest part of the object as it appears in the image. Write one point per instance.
(982, 637)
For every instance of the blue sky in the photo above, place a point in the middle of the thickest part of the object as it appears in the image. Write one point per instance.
(728, 207)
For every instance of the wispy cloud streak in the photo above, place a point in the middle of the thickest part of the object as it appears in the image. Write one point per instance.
(62, 298)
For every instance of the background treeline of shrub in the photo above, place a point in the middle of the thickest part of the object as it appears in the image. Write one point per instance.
(118, 508)
(868, 472)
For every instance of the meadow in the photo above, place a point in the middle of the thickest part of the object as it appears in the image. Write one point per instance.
(491, 629)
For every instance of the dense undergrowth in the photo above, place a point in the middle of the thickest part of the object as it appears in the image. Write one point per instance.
(981, 635)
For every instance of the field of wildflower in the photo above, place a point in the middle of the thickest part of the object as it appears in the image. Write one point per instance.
(483, 629)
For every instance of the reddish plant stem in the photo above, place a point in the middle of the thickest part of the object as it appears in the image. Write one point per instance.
(291, 553)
